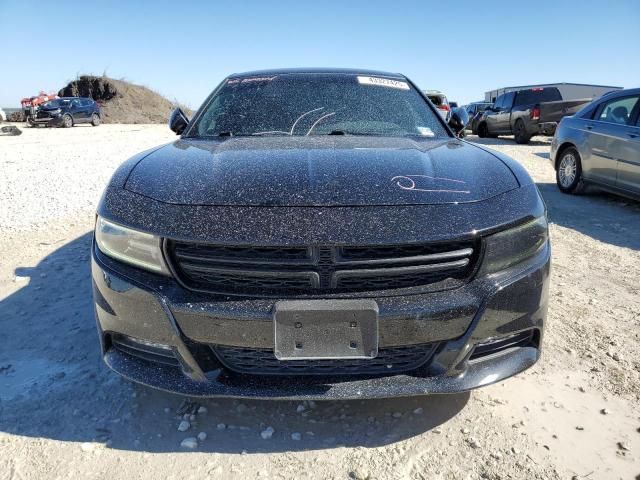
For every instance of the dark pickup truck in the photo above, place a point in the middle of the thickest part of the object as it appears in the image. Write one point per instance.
(525, 113)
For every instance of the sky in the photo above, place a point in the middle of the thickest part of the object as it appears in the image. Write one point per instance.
(183, 49)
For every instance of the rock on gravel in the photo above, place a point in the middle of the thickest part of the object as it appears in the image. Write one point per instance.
(184, 426)
(359, 474)
(473, 442)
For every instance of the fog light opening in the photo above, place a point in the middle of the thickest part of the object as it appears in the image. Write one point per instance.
(501, 345)
(145, 349)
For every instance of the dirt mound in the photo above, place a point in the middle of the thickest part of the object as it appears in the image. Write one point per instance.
(122, 102)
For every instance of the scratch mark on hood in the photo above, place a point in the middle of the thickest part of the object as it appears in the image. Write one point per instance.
(408, 182)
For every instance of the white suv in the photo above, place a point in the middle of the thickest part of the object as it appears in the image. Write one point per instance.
(440, 101)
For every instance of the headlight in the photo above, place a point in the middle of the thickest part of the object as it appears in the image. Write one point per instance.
(57, 111)
(512, 246)
(130, 246)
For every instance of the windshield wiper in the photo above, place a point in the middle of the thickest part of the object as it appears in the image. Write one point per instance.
(231, 134)
(272, 132)
(347, 132)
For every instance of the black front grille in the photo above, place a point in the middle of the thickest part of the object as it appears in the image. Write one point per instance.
(390, 360)
(291, 271)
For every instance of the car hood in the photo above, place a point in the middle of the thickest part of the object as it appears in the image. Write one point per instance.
(320, 171)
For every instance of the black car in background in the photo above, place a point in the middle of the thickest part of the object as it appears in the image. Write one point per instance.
(528, 112)
(319, 234)
(67, 112)
(475, 110)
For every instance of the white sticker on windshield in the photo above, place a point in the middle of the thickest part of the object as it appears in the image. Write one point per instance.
(426, 132)
(383, 82)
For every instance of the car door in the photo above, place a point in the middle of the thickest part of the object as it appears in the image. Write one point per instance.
(76, 111)
(503, 117)
(91, 108)
(609, 142)
(492, 115)
(628, 165)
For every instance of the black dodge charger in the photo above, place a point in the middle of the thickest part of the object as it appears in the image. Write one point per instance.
(320, 234)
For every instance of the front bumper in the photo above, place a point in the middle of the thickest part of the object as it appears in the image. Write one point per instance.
(49, 121)
(140, 305)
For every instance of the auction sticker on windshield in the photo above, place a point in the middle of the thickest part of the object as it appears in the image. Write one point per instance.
(383, 82)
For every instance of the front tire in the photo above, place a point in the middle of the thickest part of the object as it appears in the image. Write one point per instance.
(67, 121)
(95, 119)
(520, 131)
(569, 172)
(483, 132)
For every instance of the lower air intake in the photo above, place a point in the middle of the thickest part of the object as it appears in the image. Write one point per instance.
(390, 360)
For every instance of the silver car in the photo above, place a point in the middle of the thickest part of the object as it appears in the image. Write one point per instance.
(600, 145)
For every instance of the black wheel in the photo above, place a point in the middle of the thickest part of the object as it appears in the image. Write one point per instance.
(569, 172)
(95, 119)
(482, 130)
(520, 132)
(67, 121)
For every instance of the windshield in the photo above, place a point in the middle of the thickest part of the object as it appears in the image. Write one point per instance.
(317, 104)
(58, 102)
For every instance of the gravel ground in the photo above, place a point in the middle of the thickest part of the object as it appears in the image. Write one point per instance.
(576, 414)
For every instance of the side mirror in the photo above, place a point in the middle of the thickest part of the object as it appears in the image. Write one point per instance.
(459, 119)
(178, 121)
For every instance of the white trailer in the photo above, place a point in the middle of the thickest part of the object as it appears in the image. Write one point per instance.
(569, 91)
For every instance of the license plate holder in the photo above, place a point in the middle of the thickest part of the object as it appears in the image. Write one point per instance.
(325, 329)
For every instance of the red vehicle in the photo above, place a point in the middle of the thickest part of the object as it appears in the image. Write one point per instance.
(30, 104)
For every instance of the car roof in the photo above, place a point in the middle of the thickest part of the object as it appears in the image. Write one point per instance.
(286, 71)
(621, 93)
